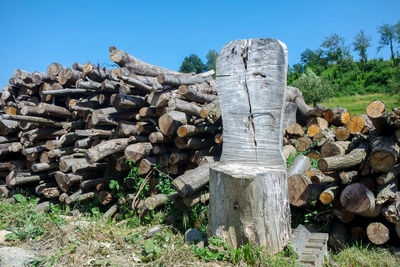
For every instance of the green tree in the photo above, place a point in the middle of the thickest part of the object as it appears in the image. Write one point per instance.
(314, 88)
(360, 45)
(388, 35)
(211, 60)
(337, 52)
(314, 59)
(192, 63)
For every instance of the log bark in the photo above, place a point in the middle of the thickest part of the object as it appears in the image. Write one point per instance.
(177, 80)
(384, 152)
(294, 95)
(377, 233)
(192, 180)
(342, 162)
(102, 150)
(389, 176)
(41, 167)
(8, 127)
(303, 143)
(193, 93)
(199, 197)
(301, 190)
(128, 101)
(32, 119)
(193, 143)
(158, 137)
(357, 197)
(329, 194)
(139, 84)
(40, 77)
(192, 130)
(68, 76)
(137, 66)
(184, 106)
(348, 177)
(330, 149)
(392, 211)
(386, 192)
(288, 150)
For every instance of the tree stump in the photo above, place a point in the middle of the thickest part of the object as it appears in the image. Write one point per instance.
(248, 189)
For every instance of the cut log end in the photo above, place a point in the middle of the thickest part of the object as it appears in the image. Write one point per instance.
(376, 109)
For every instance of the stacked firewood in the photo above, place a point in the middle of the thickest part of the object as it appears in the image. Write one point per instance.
(355, 172)
(66, 133)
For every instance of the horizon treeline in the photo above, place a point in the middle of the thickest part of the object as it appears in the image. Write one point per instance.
(331, 70)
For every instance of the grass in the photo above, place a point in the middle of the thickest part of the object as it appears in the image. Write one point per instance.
(84, 240)
(356, 104)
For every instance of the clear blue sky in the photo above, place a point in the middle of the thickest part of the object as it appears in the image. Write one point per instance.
(36, 33)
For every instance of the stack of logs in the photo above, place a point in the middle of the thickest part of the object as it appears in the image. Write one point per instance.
(349, 166)
(66, 133)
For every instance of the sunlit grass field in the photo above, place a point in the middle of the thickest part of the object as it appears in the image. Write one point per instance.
(356, 104)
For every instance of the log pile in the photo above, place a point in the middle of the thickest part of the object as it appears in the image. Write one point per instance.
(66, 133)
(345, 169)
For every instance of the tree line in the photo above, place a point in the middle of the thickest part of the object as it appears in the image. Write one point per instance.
(331, 70)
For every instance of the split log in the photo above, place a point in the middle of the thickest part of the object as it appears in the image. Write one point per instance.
(386, 192)
(389, 176)
(348, 177)
(392, 211)
(377, 233)
(329, 194)
(330, 149)
(102, 150)
(170, 122)
(338, 116)
(342, 162)
(303, 143)
(294, 130)
(192, 180)
(192, 93)
(384, 152)
(288, 150)
(138, 151)
(342, 133)
(358, 124)
(301, 190)
(357, 197)
(211, 111)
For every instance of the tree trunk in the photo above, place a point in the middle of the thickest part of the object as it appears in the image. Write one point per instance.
(338, 116)
(330, 149)
(358, 124)
(128, 101)
(183, 79)
(342, 133)
(238, 185)
(54, 69)
(102, 150)
(376, 111)
(301, 190)
(191, 130)
(294, 95)
(184, 106)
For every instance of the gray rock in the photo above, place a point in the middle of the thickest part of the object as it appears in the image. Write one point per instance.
(156, 229)
(15, 257)
(195, 236)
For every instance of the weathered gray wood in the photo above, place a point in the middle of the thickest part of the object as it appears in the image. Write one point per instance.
(192, 180)
(249, 204)
(299, 238)
(193, 93)
(248, 190)
(300, 165)
(183, 79)
(106, 148)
